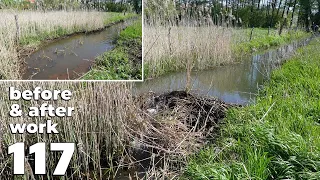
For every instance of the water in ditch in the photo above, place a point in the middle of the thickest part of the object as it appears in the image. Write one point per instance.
(237, 83)
(71, 57)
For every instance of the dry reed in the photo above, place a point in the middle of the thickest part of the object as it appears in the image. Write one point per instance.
(96, 127)
(109, 127)
(169, 48)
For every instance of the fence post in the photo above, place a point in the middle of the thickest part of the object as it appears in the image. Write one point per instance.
(18, 29)
(169, 40)
(1, 153)
(251, 33)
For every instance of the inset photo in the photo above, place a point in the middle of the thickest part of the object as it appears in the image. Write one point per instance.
(71, 40)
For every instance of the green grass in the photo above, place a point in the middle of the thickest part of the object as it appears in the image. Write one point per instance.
(278, 137)
(132, 32)
(34, 41)
(168, 65)
(114, 65)
(123, 62)
(112, 17)
(261, 40)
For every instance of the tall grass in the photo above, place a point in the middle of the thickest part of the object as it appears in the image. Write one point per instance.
(96, 127)
(169, 48)
(36, 27)
(278, 137)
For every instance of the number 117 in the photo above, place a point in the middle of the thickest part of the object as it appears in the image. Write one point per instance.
(39, 150)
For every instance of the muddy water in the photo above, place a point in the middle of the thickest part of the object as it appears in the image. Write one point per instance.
(238, 83)
(70, 58)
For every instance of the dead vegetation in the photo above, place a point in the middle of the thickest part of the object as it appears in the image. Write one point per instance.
(170, 127)
(114, 132)
(96, 127)
(170, 48)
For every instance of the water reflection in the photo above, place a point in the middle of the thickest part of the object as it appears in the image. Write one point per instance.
(238, 83)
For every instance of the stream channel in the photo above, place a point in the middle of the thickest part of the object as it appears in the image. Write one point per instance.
(236, 84)
(73, 56)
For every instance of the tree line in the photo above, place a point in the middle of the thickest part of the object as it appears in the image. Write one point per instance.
(100, 5)
(247, 13)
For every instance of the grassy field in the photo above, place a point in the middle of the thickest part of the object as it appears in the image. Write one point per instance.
(170, 49)
(37, 27)
(276, 138)
(125, 61)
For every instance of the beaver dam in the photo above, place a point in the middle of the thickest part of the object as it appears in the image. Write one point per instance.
(71, 57)
(171, 125)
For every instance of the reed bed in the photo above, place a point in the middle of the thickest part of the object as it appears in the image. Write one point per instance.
(96, 127)
(35, 27)
(172, 48)
(113, 131)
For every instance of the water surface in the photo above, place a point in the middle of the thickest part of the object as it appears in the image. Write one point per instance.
(237, 83)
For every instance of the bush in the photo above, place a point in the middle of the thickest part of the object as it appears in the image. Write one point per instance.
(114, 7)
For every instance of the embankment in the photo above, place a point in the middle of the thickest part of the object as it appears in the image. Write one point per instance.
(278, 137)
(124, 62)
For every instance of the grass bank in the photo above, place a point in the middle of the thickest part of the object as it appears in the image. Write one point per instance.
(125, 61)
(276, 138)
(38, 27)
(262, 39)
